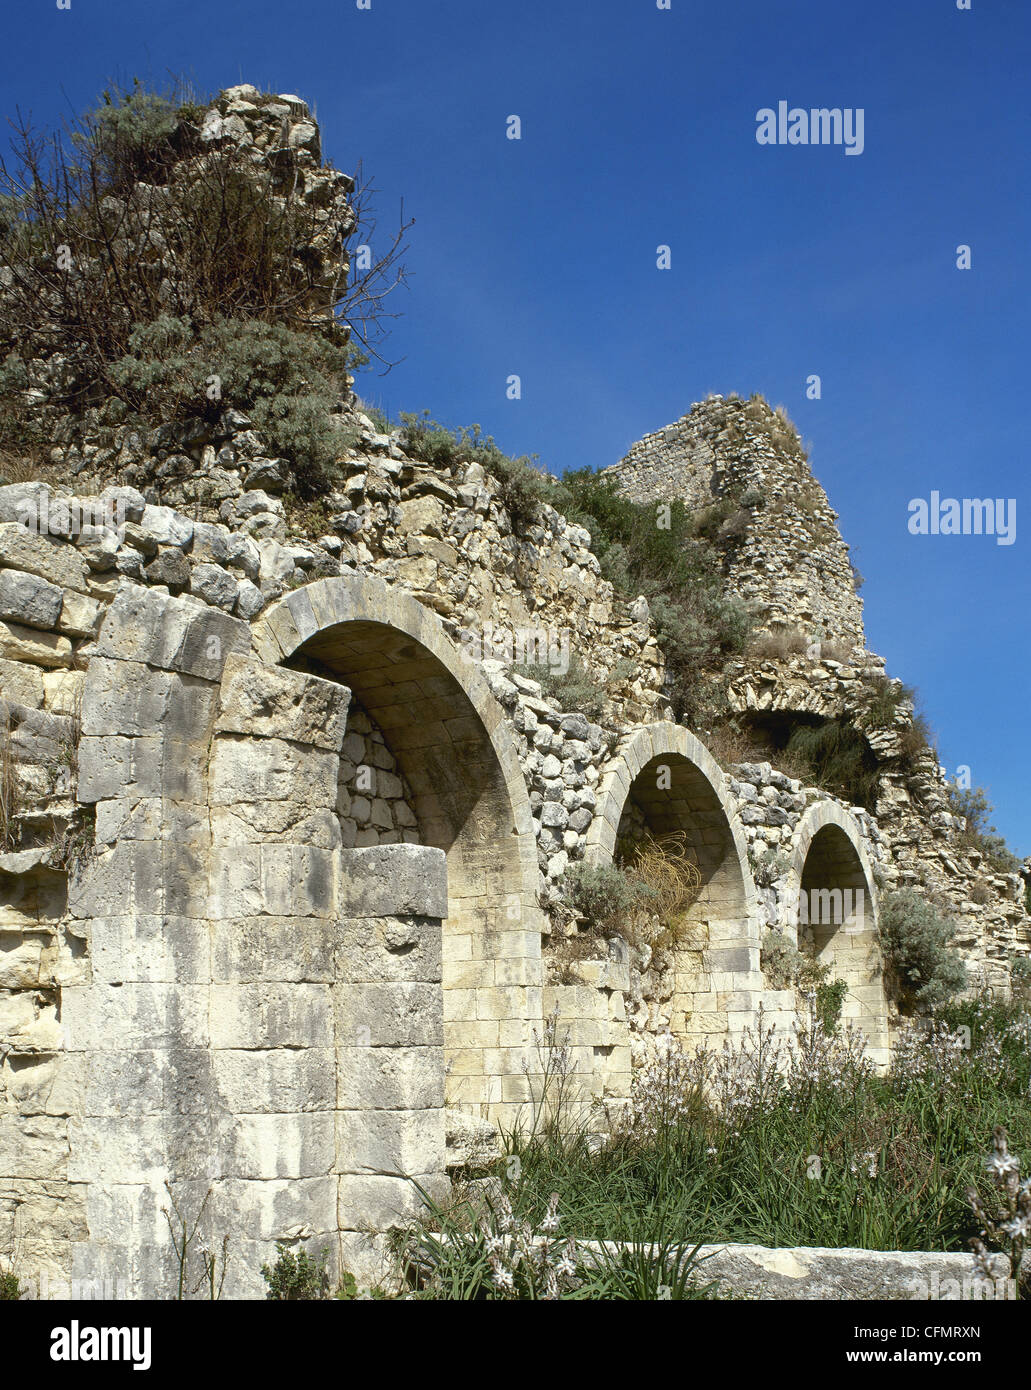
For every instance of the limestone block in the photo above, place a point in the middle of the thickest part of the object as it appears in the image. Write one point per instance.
(129, 698)
(271, 1015)
(389, 1078)
(381, 950)
(277, 1081)
(127, 816)
(272, 821)
(181, 634)
(214, 585)
(270, 769)
(393, 880)
(134, 1017)
(210, 543)
(279, 879)
(18, 643)
(156, 949)
(26, 503)
(113, 767)
(273, 702)
(278, 949)
(378, 1202)
(125, 1149)
(79, 614)
(33, 1148)
(50, 559)
(389, 1015)
(395, 1142)
(164, 526)
(270, 1209)
(282, 1146)
(22, 684)
(25, 598)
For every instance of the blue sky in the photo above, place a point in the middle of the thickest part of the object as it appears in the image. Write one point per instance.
(537, 257)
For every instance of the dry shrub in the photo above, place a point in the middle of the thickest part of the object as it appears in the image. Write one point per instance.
(779, 644)
(8, 786)
(664, 866)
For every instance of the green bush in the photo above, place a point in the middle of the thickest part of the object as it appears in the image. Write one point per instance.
(521, 486)
(922, 964)
(830, 1000)
(138, 135)
(10, 1288)
(287, 381)
(972, 804)
(296, 1277)
(677, 568)
(574, 690)
(838, 759)
(604, 895)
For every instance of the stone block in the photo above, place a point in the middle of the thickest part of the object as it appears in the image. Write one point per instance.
(389, 1078)
(28, 599)
(286, 950)
(271, 769)
(271, 1015)
(393, 1142)
(50, 559)
(273, 702)
(370, 950)
(282, 1146)
(280, 880)
(181, 634)
(128, 698)
(389, 1015)
(393, 880)
(282, 1080)
(18, 643)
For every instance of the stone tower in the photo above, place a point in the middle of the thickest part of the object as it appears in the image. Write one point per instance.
(783, 552)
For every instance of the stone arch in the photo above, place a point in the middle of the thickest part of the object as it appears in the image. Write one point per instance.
(717, 977)
(830, 909)
(451, 741)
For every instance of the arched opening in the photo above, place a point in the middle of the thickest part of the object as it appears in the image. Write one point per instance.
(665, 783)
(835, 917)
(427, 759)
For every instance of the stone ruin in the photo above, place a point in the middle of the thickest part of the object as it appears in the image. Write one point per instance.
(283, 848)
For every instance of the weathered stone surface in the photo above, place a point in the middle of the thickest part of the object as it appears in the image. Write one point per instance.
(393, 880)
(50, 559)
(214, 585)
(25, 598)
(177, 634)
(18, 643)
(263, 701)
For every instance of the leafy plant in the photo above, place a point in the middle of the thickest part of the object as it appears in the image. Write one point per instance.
(297, 1276)
(921, 962)
(838, 759)
(288, 382)
(574, 690)
(521, 486)
(971, 804)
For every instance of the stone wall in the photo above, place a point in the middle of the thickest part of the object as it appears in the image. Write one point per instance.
(175, 893)
(784, 553)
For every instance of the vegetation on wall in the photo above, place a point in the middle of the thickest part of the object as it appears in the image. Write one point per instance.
(973, 806)
(673, 566)
(923, 969)
(127, 236)
(646, 899)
